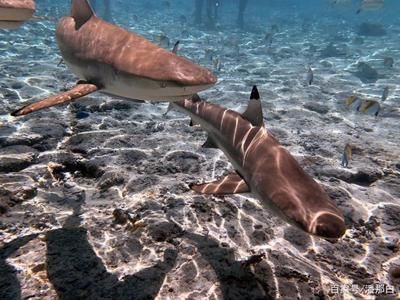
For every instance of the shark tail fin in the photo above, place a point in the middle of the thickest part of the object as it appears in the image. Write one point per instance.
(230, 184)
(80, 90)
(81, 11)
(253, 113)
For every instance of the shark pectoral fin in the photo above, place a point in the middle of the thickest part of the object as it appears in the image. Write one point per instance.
(230, 184)
(253, 113)
(76, 92)
(209, 143)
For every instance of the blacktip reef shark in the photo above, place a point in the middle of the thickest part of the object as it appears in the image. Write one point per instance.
(15, 12)
(263, 167)
(112, 60)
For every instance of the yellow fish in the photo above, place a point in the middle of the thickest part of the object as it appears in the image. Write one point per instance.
(347, 155)
(370, 106)
(353, 101)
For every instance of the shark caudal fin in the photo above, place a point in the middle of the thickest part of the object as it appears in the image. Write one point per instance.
(81, 11)
(230, 184)
(78, 91)
(253, 113)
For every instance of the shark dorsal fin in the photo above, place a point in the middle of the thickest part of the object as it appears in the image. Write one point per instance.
(81, 11)
(253, 113)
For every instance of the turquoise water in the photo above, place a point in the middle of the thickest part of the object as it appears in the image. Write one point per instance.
(94, 195)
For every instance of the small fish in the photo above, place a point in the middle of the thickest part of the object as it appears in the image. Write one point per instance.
(388, 62)
(310, 76)
(176, 47)
(347, 155)
(370, 5)
(354, 102)
(370, 106)
(208, 55)
(385, 93)
(334, 2)
(185, 33)
(163, 40)
(274, 28)
(217, 64)
(268, 39)
(182, 19)
(166, 4)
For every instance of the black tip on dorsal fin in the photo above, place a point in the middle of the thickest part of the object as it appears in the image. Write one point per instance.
(254, 93)
(253, 113)
(81, 11)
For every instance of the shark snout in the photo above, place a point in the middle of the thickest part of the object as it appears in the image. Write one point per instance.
(328, 225)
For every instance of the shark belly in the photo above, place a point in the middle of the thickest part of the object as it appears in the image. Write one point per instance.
(128, 85)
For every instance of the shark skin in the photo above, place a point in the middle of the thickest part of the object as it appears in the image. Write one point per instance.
(264, 168)
(13, 13)
(122, 63)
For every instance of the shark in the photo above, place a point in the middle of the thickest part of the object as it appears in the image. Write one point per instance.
(13, 13)
(115, 61)
(263, 167)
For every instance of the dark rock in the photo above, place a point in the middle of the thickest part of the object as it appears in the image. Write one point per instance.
(332, 51)
(363, 177)
(297, 237)
(110, 179)
(120, 216)
(87, 168)
(183, 161)
(371, 29)
(391, 216)
(15, 163)
(83, 142)
(18, 149)
(15, 189)
(316, 107)
(163, 231)
(395, 273)
(358, 40)
(82, 115)
(388, 62)
(130, 157)
(366, 73)
(141, 183)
